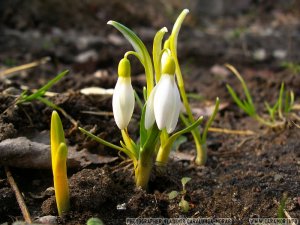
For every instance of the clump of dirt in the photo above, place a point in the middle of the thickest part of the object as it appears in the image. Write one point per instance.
(110, 196)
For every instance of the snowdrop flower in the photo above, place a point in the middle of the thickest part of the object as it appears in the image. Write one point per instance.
(163, 105)
(123, 96)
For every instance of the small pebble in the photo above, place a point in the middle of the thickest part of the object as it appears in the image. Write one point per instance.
(121, 206)
(260, 54)
(47, 220)
(278, 177)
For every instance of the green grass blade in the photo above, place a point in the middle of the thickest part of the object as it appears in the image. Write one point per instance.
(280, 98)
(289, 101)
(236, 99)
(244, 86)
(40, 92)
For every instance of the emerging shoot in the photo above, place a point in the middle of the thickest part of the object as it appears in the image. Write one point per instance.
(59, 153)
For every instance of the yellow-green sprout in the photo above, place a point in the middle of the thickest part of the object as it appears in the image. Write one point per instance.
(59, 153)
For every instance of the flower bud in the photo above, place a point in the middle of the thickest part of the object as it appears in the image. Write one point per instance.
(123, 97)
(124, 68)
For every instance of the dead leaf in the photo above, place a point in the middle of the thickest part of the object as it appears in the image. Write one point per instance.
(208, 109)
(181, 156)
(96, 91)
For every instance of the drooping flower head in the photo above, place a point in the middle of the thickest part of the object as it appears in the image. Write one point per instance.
(163, 105)
(123, 97)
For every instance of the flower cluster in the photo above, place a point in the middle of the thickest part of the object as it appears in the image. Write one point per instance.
(163, 104)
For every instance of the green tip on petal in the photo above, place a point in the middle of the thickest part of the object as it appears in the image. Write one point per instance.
(124, 69)
(169, 67)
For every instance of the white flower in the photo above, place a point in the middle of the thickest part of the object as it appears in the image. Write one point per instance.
(163, 105)
(123, 96)
(123, 102)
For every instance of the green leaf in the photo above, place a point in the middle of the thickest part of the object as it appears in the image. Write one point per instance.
(173, 47)
(185, 180)
(179, 141)
(281, 208)
(141, 49)
(171, 140)
(173, 194)
(289, 101)
(280, 98)
(130, 154)
(40, 92)
(271, 110)
(209, 122)
(100, 140)
(237, 100)
(157, 48)
(175, 32)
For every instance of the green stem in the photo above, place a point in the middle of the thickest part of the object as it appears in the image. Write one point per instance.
(165, 149)
(143, 172)
(162, 156)
(201, 156)
(145, 162)
(182, 91)
(128, 141)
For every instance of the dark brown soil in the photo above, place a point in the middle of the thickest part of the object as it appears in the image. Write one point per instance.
(245, 176)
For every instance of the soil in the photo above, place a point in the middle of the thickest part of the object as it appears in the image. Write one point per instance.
(246, 176)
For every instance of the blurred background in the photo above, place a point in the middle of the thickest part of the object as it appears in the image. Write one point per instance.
(264, 33)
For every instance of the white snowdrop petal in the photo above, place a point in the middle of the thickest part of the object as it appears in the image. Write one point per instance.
(173, 119)
(163, 103)
(149, 116)
(123, 102)
(116, 108)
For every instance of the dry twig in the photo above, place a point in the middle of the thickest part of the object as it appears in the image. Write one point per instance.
(19, 196)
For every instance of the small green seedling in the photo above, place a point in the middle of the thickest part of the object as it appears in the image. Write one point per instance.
(276, 113)
(39, 94)
(183, 204)
(59, 153)
(94, 221)
(281, 209)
